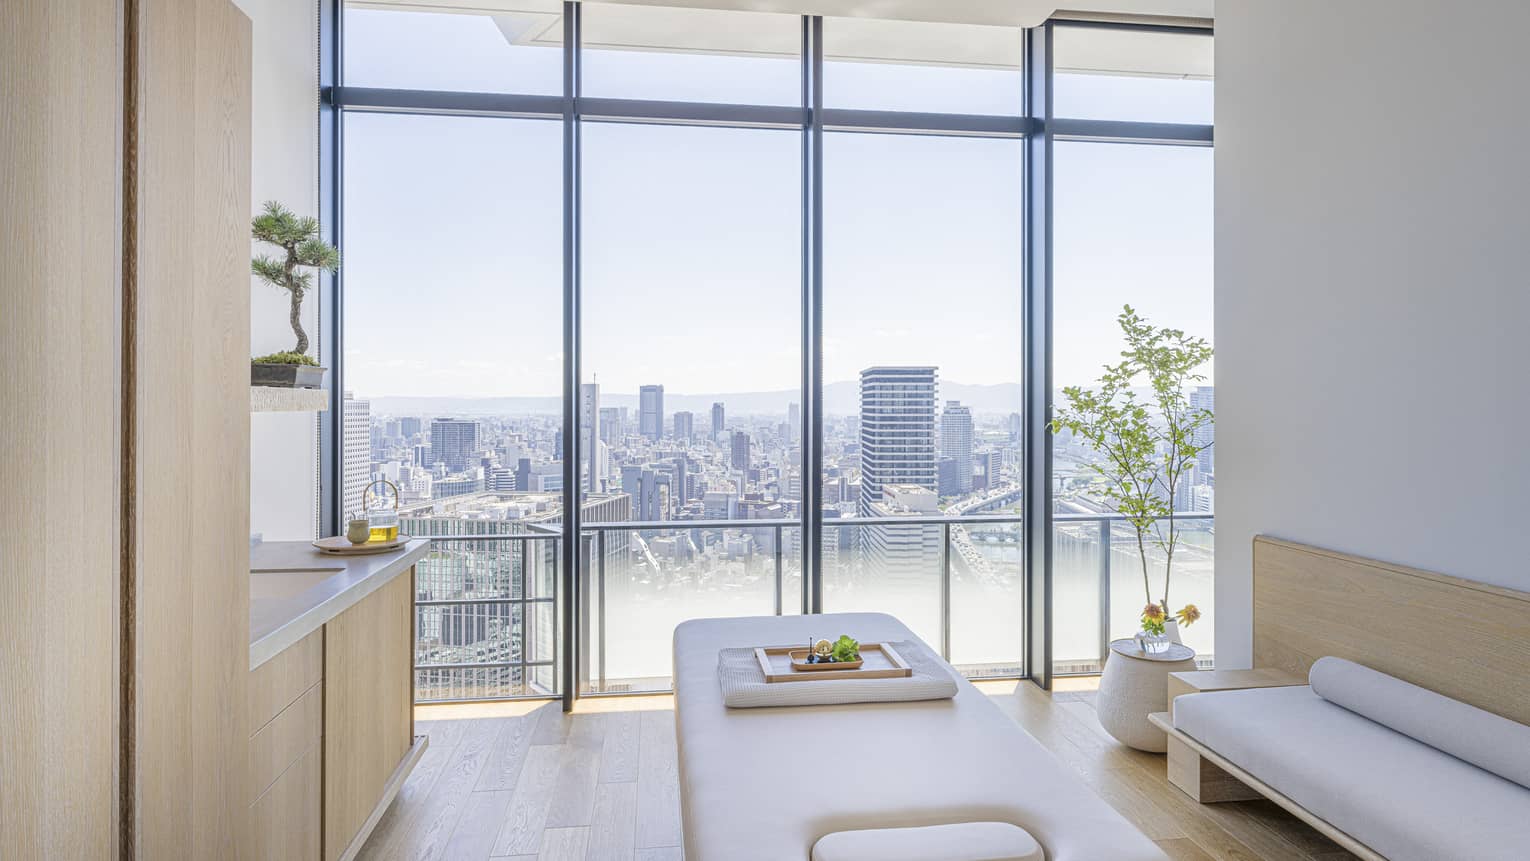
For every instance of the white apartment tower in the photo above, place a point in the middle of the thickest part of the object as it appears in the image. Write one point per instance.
(589, 437)
(357, 452)
(956, 442)
(897, 430)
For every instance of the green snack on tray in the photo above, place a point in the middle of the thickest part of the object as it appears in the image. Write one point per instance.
(846, 649)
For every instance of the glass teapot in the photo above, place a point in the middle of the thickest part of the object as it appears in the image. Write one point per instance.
(379, 504)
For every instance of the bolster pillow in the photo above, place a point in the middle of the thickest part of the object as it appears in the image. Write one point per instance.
(1490, 742)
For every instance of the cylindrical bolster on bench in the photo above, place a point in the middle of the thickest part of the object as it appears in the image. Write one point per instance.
(1490, 742)
(963, 841)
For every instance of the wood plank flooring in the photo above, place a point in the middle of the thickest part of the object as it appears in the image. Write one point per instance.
(525, 781)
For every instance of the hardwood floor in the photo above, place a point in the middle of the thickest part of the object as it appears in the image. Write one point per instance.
(525, 781)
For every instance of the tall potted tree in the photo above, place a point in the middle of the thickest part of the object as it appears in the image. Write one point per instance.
(298, 238)
(1148, 444)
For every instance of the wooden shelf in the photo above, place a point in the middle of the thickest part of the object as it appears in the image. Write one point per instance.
(270, 399)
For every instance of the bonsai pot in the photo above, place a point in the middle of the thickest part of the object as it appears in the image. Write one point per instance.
(286, 376)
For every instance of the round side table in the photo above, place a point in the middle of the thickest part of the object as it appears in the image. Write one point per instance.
(1135, 685)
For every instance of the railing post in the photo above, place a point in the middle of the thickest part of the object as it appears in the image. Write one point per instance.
(1105, 553)
(945, 593)
(600, 617)
(779, 536)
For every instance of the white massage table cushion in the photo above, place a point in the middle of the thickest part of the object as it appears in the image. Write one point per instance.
(963, 841)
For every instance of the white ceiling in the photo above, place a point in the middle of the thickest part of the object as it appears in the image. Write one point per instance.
(1011, 13)
(973, 33)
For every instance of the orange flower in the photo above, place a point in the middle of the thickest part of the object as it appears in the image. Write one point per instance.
(1152, 613)
(1188, 615)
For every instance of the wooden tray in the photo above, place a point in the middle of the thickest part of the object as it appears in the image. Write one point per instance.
(339, 545)
(878, 661)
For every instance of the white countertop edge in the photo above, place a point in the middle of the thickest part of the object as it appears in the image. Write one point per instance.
(346, 596)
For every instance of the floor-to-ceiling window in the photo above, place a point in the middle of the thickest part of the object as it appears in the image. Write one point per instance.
(795, 249)
(1132, 227)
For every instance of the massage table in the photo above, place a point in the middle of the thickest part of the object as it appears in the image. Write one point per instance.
(765, 784)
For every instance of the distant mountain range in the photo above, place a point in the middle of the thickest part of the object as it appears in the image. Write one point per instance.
(841, 398)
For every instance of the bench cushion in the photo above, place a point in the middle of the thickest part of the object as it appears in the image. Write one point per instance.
(1400, 797)
(1482, 738)
(964, 841)
(767, 784)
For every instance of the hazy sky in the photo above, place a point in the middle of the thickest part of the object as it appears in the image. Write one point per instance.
(692, 236)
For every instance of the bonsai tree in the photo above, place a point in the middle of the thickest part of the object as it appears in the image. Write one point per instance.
(1148, 445)
(298, 238)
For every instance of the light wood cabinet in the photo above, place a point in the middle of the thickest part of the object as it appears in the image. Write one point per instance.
(285, 823)
(368, 711)
(334, 730)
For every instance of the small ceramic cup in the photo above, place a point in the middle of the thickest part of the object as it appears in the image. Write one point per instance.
(358, 531)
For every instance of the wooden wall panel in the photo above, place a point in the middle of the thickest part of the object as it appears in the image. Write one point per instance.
(1467, 640)
(191, 444)
(60, 300)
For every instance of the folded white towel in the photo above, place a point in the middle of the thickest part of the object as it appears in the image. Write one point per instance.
(744, 685)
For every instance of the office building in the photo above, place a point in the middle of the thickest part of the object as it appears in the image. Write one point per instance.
(613, 422)
(1205, 398)
(719, 419)
(740, 451)
(685, 426)
(651, 412)
(453, 442)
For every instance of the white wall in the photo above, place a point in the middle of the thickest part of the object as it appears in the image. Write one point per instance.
(283, 446)
(1372, 227)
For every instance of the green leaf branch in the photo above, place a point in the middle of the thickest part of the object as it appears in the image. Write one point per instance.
(1146, 457)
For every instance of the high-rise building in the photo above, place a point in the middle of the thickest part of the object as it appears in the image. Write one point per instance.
(740, 450)
(642, 484)
(611, 421)
(651, 411)
(589, 436)
(409, 426)
(685, 426)
(1016, 427)
(719, 419)
(897, 551)
(986, 468)
(453, 442)
(897, 424)
(794, 422)
(956, 443)
(945, 475)
(358, 452)
(1205, 398)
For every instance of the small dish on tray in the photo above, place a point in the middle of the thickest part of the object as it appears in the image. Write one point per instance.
(878, 661)
(800, 663)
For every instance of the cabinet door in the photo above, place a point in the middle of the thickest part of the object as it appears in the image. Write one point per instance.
(284, 820)
(368, 707)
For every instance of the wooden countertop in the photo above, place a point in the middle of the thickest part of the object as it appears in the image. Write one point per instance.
(296, 588)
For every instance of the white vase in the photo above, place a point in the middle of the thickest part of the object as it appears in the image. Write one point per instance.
(1171, 627)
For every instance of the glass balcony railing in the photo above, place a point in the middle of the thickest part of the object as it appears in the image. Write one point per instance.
(641, 580)
(488, 606)
(486, 618)
(1097, 588)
